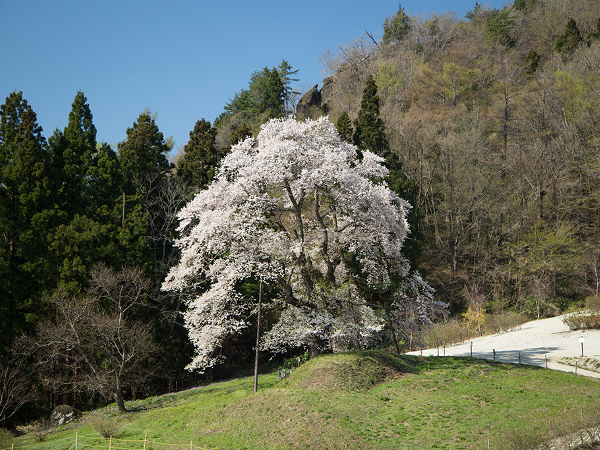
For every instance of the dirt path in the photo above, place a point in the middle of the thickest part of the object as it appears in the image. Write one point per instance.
(539, 343)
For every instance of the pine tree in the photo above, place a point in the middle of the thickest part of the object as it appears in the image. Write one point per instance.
(72, 152)
(273, 100)
(369, 134)
(396, 27)
(343, 126)
(24, 187)
(570, 39)
(286, 74)
(144, 151)
(145, 166)
(499, 27)
(76, 239)
(369, 130)
(200, 158)
(105, 196)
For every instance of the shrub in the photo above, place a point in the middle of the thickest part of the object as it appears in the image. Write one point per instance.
(449, 332)
(495, 323)
(592, 303)
(106, 426)
(6, 438)
(39, 429)
(474, 319)
(583, 321)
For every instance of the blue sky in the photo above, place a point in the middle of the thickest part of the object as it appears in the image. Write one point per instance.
(181, 59)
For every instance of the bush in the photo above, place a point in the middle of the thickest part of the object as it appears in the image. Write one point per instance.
(495, 323)
(583, 321)
(446, 333)
(39, 429)
(6, 438)
(106, 426)
(592, 303)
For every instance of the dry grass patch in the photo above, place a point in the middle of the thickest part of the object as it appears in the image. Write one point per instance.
(356, 371)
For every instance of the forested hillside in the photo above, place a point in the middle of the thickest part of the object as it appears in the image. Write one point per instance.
(495, 118)
(489, 125)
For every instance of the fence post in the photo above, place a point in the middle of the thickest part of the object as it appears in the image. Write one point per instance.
(546, 359)
(76, 439)
(109, 443)
(145, 440)
(471, 349)
(494, 350)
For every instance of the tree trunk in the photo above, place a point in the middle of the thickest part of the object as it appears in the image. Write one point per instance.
(120, 402)
(314, 350)
(119, 396)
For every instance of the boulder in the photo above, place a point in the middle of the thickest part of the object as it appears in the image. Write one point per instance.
(63, 414)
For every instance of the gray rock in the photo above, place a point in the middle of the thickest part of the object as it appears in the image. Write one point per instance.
(63, 414)
(309, 102)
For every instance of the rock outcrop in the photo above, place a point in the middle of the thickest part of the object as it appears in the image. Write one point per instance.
(309, 103)
(63, 414)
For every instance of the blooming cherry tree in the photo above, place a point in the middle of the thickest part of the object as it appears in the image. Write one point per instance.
(293, 208)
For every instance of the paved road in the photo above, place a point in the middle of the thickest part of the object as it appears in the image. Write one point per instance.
(539, 343)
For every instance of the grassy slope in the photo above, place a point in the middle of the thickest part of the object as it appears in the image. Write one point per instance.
(361, 400)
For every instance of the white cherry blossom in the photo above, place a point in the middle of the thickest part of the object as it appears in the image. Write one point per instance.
(290, 208)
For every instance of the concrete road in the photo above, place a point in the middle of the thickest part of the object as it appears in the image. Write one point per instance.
(539, 343)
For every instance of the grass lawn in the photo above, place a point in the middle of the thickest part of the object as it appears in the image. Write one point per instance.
(356, 401)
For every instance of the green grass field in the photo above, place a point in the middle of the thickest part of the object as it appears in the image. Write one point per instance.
(357, 401)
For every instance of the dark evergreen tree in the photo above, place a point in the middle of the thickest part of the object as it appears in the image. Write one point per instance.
(143, 158)
(396, 27)
(286, 74)
(568, 42)
(475, 14)
(533, 61)
(72, 152)
(24, 188)
(273, 99)
(369, 130)
(105, 196)
(344, 126)
(369, 134)
(499, 27)
(200, 158)
(144, 151)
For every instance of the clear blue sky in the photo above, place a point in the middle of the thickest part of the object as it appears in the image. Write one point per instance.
(181, 59)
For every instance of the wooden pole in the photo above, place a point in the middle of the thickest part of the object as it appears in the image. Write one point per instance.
(76, 439)
(191, 445)
(109, 443)
(145, 440)
(260, 293)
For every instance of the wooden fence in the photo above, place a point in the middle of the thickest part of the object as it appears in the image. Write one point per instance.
(99, 443)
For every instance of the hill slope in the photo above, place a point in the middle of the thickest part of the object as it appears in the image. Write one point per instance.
(360, 400)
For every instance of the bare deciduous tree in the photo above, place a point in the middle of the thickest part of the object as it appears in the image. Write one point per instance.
(15, 390)
(94, 343)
